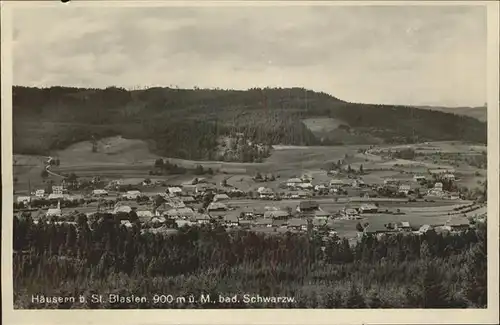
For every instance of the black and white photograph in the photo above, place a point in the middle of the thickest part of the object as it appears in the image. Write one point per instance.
(250, 156)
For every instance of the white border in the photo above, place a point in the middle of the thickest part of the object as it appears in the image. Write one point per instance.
(262, 316)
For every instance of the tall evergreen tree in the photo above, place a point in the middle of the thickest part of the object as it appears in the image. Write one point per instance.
(434, 294)
(477, 266)
(355, 299)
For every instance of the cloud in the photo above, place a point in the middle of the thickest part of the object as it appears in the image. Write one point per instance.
(378, 54)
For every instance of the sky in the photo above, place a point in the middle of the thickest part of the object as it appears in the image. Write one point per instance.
(412, 55)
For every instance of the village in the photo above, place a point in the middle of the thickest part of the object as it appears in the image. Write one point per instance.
(338, 204)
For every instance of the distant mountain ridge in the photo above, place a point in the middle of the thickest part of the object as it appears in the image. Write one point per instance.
(187, 123)
(478, 112)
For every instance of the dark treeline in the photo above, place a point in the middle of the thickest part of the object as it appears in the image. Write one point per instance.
(102, 257)
(186, 123)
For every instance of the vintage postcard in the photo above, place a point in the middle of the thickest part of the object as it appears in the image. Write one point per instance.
(250, 162)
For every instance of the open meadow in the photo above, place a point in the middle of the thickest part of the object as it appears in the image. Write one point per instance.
(117, 157)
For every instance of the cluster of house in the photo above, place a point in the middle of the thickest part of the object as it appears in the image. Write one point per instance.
(178, 211)
(58, 192)
(302, 187)
(175, 210)
(437, 191)
(454, 225)
(443, 174)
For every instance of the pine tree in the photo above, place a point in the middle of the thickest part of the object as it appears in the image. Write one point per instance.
(355, 299)
(425, 252)
(434, 293)
(477, 269)
(375, 301)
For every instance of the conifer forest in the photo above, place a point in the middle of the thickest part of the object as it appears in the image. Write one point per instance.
(103, 258)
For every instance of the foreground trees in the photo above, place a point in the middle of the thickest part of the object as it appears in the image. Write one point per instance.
(395, 272)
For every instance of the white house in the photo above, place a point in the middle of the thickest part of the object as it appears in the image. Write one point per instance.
(419, 178)
(438, 185)
(390, 181)
(261, 189)
(175, 202)
(449, 177)
(125, 207)
(321, 215)
(181, 222)
(358, 183)
(265, 193)
(436, 192)
(336, 183)
(403, 226)
(221, 197)
(216, 206)
(303, 194)
(160, 219)
(292, 182)
(202, 218)
(145, 214)
(184, 213)
(332, 172)
(453, 196)
(126, 223)
(99, 192)
(305, 186)
(424, 228)
(23, 199)
(74, 197)
(404, 189)
(368, 208)
(306, 178)
(57, 189)
(441, 171)
(40, 193)
(122, 208)
(350, 213)
(174, 190)
(320, 187)
(276, 214)
(132, 195)
(55, 212)
(56, 196)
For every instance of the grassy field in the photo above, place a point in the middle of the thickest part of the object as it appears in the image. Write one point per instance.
(131, 160)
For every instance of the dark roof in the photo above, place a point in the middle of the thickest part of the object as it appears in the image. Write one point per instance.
(306, 205)
(297, 222)
(321, 214)
(318, 222)
(276, 214)
(231, 217)
(264, 221)
(458, 221)
(376, 227)
(279, 222)
(216, 214)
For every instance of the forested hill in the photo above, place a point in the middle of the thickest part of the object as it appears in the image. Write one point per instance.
(186, 123)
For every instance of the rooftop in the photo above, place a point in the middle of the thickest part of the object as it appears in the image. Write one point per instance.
(306, 205)
(276, 214)
(297, 222)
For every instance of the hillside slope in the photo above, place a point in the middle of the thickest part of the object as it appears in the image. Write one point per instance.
(187, 123)
(480, 113)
